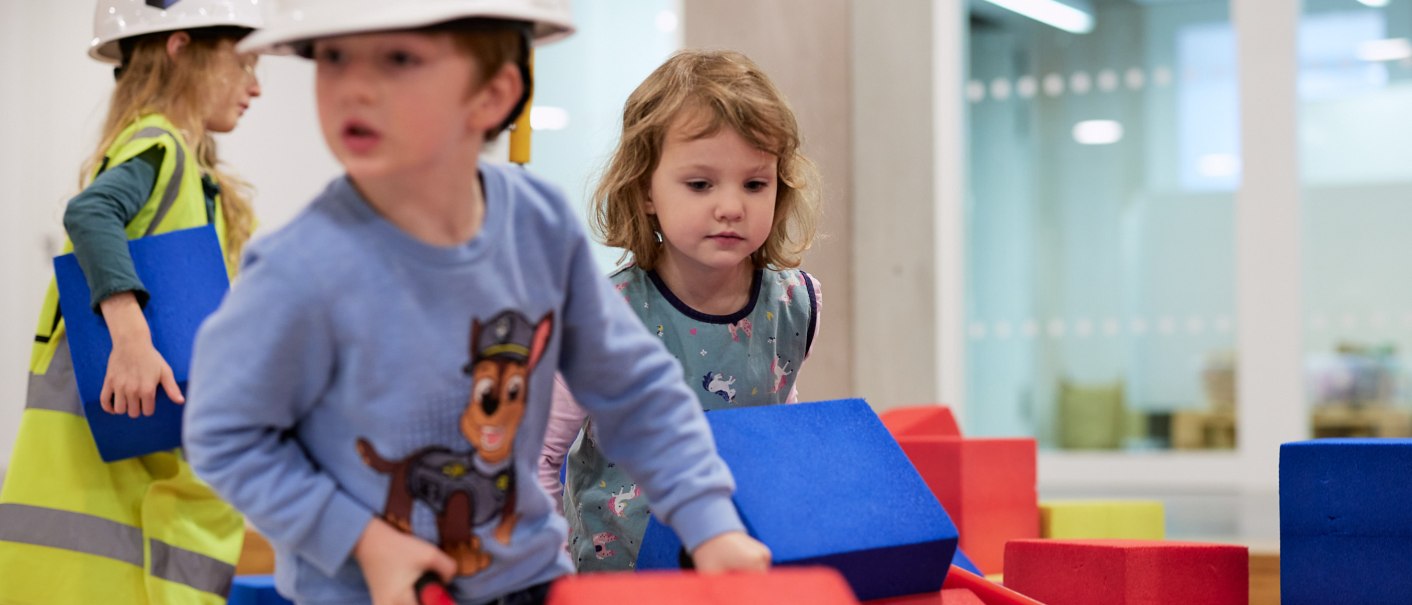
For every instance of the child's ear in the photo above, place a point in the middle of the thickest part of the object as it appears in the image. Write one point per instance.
(176, 43)
(496, 98)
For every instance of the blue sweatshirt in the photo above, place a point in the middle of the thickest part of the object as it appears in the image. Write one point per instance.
(354, 371)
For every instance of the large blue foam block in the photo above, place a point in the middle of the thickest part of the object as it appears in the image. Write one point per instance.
(184, 273)
(826, 484)
(1345, 526)
(255, 590)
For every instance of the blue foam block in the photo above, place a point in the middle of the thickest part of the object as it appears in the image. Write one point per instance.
(964, 562)
(1344, 521)
(255, 590)
(826, 484)
(185, 274)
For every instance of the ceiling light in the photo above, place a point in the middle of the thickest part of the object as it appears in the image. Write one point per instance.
(1073, 16)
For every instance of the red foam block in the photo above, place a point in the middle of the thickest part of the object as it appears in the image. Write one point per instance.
(988, 592)
(986, 485)
(947, 596)
(813, 585)
(1063, 572)
(921, 421)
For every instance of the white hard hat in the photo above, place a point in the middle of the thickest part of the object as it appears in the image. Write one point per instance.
(114, 20)
(296, 21)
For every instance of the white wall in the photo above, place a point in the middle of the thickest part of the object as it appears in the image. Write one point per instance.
(49, 114)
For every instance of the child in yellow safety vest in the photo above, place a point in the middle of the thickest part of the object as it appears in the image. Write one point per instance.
(74, 529)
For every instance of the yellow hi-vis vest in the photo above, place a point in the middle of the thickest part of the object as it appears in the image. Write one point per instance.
(146, 530)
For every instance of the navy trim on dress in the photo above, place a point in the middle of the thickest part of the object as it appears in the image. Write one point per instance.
(681, 307)
(813, 312)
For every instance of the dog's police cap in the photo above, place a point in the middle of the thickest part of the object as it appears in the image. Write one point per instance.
(506, 336)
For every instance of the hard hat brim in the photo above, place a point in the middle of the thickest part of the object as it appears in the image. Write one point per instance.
(281, 35)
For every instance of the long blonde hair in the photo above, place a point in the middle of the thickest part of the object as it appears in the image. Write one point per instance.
(725, 89)
(151, 81)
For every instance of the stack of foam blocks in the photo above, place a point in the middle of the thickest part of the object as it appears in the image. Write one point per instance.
(988, 487)
(826, 484)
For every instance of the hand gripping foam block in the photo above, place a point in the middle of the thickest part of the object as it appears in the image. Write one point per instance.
(255, 590)
(1345, 521)
(825, 484)
(1128, 572)
(921, 420)
(987, 486)
(1101, 519)
(812, 585)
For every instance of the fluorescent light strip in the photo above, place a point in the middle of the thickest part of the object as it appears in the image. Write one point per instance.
(1098, 132)
(547, 117)
(1051, 12)
(1392, 49)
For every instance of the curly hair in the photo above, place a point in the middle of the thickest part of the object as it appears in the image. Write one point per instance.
(719, 89)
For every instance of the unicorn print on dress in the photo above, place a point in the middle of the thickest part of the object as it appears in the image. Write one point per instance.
(780, 369)
(718, 384)
(787, 283)
(600, 544)
(743, 325)
(620, 499)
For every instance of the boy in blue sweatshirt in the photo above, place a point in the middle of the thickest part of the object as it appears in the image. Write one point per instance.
(374, 390)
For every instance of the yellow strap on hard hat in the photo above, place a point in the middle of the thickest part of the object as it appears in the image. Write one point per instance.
(520, 134)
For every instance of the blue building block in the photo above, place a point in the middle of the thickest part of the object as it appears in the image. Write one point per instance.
(964, 562)
(826, 484)
(185, 274)
(255, 590)
(1345, 524)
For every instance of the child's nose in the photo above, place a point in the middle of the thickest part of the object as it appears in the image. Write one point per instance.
(355, 82)
(731, 207)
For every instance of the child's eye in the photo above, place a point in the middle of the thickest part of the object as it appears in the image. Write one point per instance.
(402, 58)
(756, 186)
(329, 56)
(698, 185)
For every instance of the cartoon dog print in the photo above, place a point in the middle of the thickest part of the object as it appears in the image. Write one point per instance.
(468, 489)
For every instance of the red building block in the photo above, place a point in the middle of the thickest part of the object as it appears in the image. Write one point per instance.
(988, 592)
(1127, 572)
(813, 585)
(921, 421)
(947, 596)
(986, 485)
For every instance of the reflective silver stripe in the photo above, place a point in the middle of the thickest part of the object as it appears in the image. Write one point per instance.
(174, 184)
(56, 389)
(88, 534)
(176, 564)
(71, 531)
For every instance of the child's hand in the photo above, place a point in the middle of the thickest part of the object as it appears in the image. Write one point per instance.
(393, 561)
(731, 551)
(135, 368)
